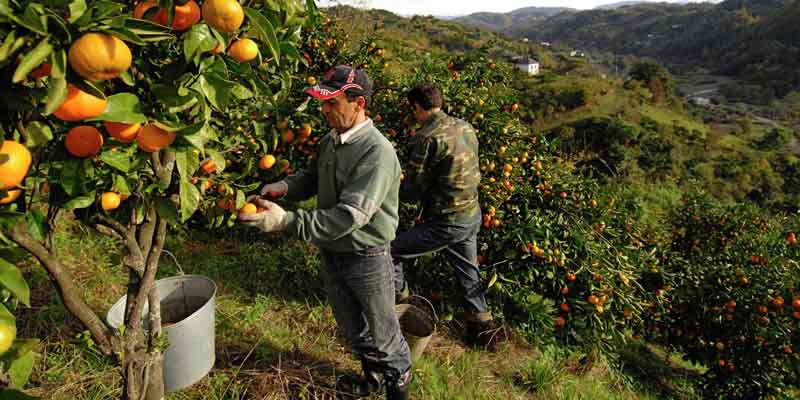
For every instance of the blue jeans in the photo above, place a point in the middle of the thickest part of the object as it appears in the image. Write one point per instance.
(360, 290)
(460, 240)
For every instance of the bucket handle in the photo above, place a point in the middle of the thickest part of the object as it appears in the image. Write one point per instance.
(175, 259)
(433, 310)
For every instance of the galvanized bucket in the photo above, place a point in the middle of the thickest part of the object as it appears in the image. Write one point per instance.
(187, 314)
(417, 325)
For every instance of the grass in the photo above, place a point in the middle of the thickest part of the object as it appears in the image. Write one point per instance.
(275, 336)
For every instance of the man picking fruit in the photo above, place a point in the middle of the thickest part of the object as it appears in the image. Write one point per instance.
(356, 178)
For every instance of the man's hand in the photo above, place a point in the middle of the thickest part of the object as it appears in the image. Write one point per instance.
(271, 219)
(274, 190)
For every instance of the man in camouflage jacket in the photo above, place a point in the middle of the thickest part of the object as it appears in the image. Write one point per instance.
(442, 173)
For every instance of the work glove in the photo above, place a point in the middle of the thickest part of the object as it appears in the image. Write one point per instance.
(274, 190)
(271, 219)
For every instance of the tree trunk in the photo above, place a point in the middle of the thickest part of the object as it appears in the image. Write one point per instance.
(70, 293)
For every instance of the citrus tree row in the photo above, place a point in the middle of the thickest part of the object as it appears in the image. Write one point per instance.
(134, 117)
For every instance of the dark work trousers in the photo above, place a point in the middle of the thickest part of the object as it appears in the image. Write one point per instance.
(361, 292)
(460, 240)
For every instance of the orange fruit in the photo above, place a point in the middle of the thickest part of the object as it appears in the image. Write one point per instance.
(571, 277)
(110, 201)
(592, 299)
(79, 105)
(226, 204)
(565, 307)
(288, 136)
(248, 208)
(243, 50)
(791, 238)
(15, 168)
(208, 167)
(83, 141)
(305, 131)
(121, 131)
(777, 301)
(565, 291)
(10, 196)
(185, 16)
(266, 162)
(152, 138)
(97, 56)
(283, 166)
(142, 7)
(7, 334)
(223, 15)
(42, 71)
(796, 303)
(560, 321)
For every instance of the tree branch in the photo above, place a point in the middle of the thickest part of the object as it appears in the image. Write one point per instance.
(149, 274)
(68, 290)
(134, 260)
(146, 232)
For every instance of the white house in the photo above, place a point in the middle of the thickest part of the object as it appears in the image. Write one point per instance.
(576, 53)
(528, 65)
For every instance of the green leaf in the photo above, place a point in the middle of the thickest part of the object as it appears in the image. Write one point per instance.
(265, 31)
(198, 138)
(127, 78)
(190, 199)
(90, 88)
(55, 95)
(36, 225)
(218, 158)
(71, 176)
(187, 163)
(241, 92)
(76, 10)
(21, 368)
(121, 185)
(11, 278)
(123, 107)
(198, 40)
(58, 64)
(33, 59)
(166, 209)
(215, 89)
(127, 35)
(6, 316)
(117, 159)
(172, 99)
(38, 133)
(33, 18)
(80, 202)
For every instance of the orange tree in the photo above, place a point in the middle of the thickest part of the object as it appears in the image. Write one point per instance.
(557, 254)
(127, 117)
(734, 305)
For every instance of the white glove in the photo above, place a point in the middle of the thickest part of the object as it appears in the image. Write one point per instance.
(272, 219)
(274, 190)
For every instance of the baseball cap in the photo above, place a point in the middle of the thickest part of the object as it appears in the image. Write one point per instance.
(340, 79)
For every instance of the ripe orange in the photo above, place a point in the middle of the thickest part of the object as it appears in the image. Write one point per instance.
(787, 349)
(514, 107)
(592, 299)
(304, 132)
(796, 303)
(565, 291)
(7, 334)
(777, 301)
(185, 16)
(152, 138)
(110, 201)
(97, 56)
(571, 277)
(79, 105)
(42, 71)
(266, 162)
(121, 131)
(226, 204)
(791, 238)
(223, 15)
(15, 168)
(208, 167)
(560, 321)
(10, 196)
(83, 141)
(248, 208)
(565, 307)
(288, 136)
(311, 80)
(142, 7)
(243, 50)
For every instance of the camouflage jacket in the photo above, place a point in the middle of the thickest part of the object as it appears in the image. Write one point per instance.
(442, 171)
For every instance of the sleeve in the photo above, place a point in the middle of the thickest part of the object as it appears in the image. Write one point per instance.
(365, 191)
(415, 184)
(303, 185)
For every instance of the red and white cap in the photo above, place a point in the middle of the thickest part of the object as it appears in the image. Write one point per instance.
(340, 79)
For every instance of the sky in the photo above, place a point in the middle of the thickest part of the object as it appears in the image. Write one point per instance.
(463, 7)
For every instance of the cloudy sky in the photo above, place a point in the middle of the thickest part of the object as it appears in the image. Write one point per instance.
(462, 7)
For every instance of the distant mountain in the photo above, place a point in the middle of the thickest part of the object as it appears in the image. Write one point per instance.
(613, 6)
(502, 22)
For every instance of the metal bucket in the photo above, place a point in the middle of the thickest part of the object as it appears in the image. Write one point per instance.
(187, 314)
(417, 325)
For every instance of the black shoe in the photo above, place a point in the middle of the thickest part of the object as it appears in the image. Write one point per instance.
(398, 389)
(487, 334)
(355, 387)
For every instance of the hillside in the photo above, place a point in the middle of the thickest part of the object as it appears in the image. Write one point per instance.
(755, 40)
(501, 22)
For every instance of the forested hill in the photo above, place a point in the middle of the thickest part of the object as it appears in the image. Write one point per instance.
(757, 40)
